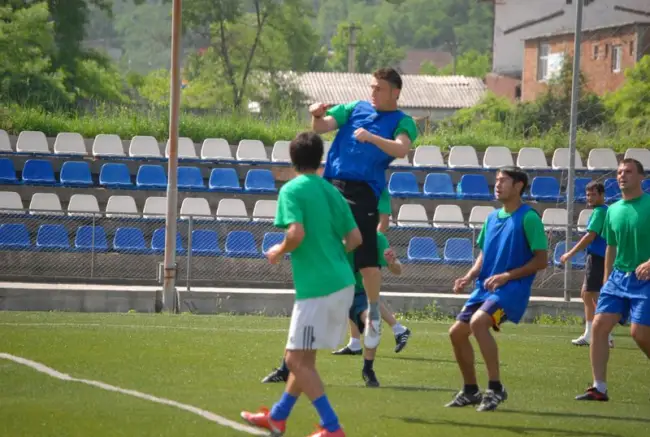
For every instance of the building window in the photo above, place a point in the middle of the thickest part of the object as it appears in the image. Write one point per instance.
(617, 57)
(542, 61)
(595, 51)
(631, 48)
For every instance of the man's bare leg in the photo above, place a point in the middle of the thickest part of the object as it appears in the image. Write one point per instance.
(459, 334)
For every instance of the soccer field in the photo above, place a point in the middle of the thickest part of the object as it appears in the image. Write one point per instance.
(215, 363)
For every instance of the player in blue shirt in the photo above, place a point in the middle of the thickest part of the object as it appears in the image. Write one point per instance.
(370, 136)
(595, 269)
(513, 249)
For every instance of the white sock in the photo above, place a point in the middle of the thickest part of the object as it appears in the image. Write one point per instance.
(587, 333)
(354, 344)
(601, 386)
(398, 329)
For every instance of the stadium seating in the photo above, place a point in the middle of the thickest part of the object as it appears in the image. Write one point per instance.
(413, 215)
(52, 237)
(532, 158)
(463, 157)
(438, 186)
(83, 205)
(458, 251)
(641, 155)
(186, 149)
(224, 180)
(108, 145)
(473, 186)
(45, 204)
(602, 160)
(560, 160)
(497, 156)
(264, 210)
(583, 219)
(448, 216)
(130, 240)
(260, 181)
(115, 175)
(280, 152)
(612, 190)
(38, 172)
(423, 250)
(578, 261)
(69, 143)
(403, 184)
(10, 201)
(14, 236)
(158, 242)
(241, 244)
(428, 156)
(33, 142)
(85, 241)
(478, 215)
(251, 151)
(189, 178)
(270, 240)
(7, 172)
(231, 210)
(151, 177)
(144, 147)
(580, 189)
(5, 144)
(545, 189)
(121, 206)
(555, 219)
(196, 207)
(205, 243)
(646, 185)
(155, 207)
(216, 149)
(401, 162)
(76, 174)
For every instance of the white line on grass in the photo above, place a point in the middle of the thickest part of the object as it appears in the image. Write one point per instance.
(212, 417)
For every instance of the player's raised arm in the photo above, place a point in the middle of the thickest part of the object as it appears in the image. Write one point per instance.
(398, 148)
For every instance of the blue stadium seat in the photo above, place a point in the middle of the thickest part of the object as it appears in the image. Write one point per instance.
(545, 189)
(14, 236)
(458, 251)
(577, 262)
(241, 244)
(423, 250)
(76, 174)
(612, 190)
(151, 176)
(205, 243)
(403, 184)
(439, 185)
(7, 172)
(129, 240)
(260, 181)
(189, 178)
(224, 179)
(474, 186)
(52, 237)
(271, 239)
(580, 189)
(158, 242)
(646, 185)
(115, 175)
(39, 172)
(83, 241)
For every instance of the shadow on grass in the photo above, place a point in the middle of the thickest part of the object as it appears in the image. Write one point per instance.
(522, 430)
(411, 388)
(576, 415)
(422, 359)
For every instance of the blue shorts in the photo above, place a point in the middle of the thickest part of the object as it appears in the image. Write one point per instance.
(491, 307)
(624, 294)
(359, 305)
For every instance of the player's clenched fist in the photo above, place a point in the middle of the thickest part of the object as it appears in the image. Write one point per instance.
(460, 284)
(274, 254)
(318, 110)
(363, 135)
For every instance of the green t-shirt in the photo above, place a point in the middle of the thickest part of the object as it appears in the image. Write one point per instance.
(341, 113)
(626, 227)
(382, 245)
(533, 228)
(597, 220)
(320, 264)
(384, 202)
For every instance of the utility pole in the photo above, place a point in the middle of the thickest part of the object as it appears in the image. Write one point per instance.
(352, 47)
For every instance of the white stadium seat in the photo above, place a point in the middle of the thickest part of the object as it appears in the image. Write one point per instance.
(10, 201)
(561, 159)
(197, 207)
(478, 215)
(144, 147)
(463, 157)
(280, 152)
(428, 156)
(108, 145)
(216, 149)
(121, 206)
(32, 142)
(155, 207)
(531, 158)
(448, 216)
(412, 215)
(83, 205)
(186, 148)
(554, 219)
(264, 210)
(251, 150)
(45, 204)
(232, 210)
(602, 160)
(5, 144)
(70, 143)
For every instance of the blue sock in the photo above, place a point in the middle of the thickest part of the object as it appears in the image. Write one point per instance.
(328, 419)
(283, 407)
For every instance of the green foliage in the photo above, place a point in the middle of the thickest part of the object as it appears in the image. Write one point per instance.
(470, 64)
(562, 318)
(631, 103)
(431, 312)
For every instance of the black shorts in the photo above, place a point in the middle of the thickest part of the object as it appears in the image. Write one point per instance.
(364, 205)
(594, 272)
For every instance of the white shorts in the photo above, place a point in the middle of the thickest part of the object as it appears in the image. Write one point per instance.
(321, 322)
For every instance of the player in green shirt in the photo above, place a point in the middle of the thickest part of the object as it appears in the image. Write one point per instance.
(320, 230)
(401, 333)
(626, 293)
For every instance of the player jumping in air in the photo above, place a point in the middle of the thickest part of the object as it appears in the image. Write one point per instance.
(595, 245)
(401, 333)
(626, 293)
(513, 249)
(370, 136)
(317, 219)
(357, 315)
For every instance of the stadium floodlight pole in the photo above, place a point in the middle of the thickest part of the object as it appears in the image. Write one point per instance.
(573, 130)
(170, 301)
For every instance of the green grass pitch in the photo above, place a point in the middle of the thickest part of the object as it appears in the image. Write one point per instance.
(216, 363)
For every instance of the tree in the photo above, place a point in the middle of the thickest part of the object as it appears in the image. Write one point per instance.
(471, 64)
(631, 103)
(374, 49)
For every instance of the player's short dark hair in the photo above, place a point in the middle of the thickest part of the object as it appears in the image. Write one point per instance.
(517, 175)
(390, 75)
(639, 166)
(306, 151)
(596, 186)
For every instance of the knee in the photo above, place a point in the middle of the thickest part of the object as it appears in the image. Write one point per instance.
(458, 332)
(480, 323)
(296, 361)
(600, 326)
(640, 335)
